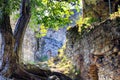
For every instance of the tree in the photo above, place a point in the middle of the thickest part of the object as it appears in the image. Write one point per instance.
(57, 14)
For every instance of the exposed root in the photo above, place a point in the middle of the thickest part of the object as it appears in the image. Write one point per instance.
(37, 74)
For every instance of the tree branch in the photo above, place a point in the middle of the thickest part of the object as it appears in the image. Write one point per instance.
(21, 26)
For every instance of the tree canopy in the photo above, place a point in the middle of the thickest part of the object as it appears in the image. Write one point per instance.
(48, 13)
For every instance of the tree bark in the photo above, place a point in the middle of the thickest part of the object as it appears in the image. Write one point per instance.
(21, 27)
(8, 57)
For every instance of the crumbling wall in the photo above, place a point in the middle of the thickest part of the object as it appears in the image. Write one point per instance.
(99, 9)
(96, 53)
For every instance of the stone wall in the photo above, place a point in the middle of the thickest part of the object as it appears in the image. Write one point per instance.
(96, 54)
(99, 9)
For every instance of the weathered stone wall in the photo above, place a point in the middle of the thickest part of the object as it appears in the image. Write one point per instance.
(99, 9)
(96, 53)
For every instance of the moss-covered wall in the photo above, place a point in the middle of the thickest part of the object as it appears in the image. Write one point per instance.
(96, 54)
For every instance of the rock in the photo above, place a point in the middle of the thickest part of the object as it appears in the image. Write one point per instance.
(49, 44)
(99, 9)
(99, 47)
(29, 46)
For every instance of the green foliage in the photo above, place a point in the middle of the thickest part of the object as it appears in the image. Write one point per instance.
(51, 13)
(84, 23)
(9, 6)
(63, 64)
(41, 31)
(14, 5)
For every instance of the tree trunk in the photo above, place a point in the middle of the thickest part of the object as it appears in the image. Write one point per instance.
(21, 28)
(12, 43)
(8, 58)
